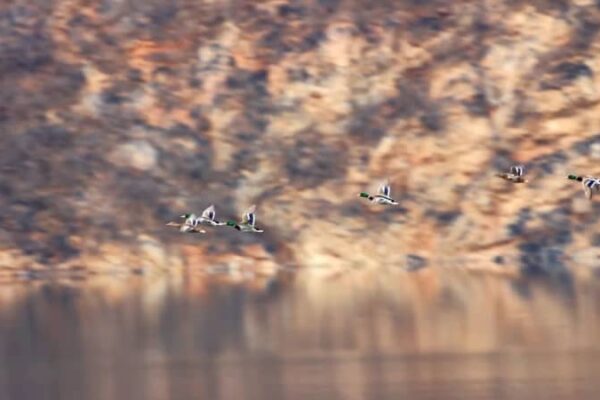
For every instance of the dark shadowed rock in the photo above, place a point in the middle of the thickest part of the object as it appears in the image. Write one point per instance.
(138, 195)
(586, 32)
(309, 162)
(426, 27)
(415, 262)
(367, 125)
(43, 159)
(409, 101)
(248, 80)
(291, 11)
(113, 97)
(546, 6)
(584, 147)
(433, 118)
(244, 159)
(46, 137)
(351, 208)
(445, 218)
(595, 239)
(549, 163)
(501, 160)
(312, 40)
(23, 51)
(522, 111)
(202, 123)
(558, 225)
(564, 73)
(478, 105)
(329, 6)
(62, 247)
(298, 74)
(572, 70)
(195, 164)
(520, 225)
(25, 97)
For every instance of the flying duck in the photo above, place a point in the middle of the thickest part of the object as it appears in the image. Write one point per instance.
(208, 217)
(190, 224)
(589, 184)
(382, 196)
(248, 223)
(514, 175)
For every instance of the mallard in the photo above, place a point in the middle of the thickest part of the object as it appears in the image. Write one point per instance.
(208, 217)
(514, 175)
(248, 222)
(382, 196)
(190, 224)
(590, 184)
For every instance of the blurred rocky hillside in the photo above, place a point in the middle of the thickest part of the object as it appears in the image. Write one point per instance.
(117, 116)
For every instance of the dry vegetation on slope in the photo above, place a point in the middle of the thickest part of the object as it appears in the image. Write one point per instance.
(117, 116)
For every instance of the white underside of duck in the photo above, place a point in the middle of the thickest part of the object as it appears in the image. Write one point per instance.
(381, 199)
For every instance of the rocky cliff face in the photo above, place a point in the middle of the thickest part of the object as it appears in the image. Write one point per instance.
(117, 116)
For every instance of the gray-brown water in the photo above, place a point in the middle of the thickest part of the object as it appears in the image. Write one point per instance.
(432, 334)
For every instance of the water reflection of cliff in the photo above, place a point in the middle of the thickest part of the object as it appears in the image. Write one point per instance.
(179, 335)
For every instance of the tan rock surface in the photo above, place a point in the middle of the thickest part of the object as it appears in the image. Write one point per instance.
(297, 107)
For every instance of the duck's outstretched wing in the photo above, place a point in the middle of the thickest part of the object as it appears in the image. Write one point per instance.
(209, 213)
(589, 185)
(385, 189)
(249, 216)
(517, 170)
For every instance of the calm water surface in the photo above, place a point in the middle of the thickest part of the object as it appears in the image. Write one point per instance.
(431, 334)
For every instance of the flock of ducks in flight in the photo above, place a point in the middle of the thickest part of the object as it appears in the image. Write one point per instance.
(193, 224)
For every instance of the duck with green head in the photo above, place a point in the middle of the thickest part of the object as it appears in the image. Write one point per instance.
(382, 196)
(189, 225)
(590, 184)
(248, 223)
